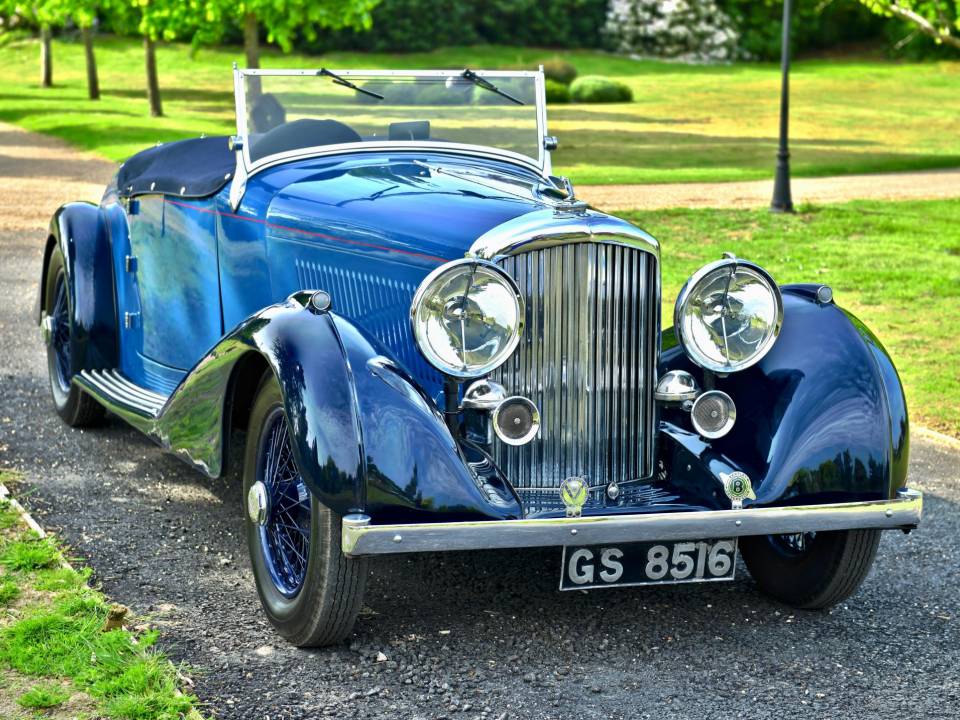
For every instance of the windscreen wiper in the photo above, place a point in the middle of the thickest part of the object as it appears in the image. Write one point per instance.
(346, 83)
(470, 75)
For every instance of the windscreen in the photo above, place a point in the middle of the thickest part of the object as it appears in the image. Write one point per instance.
(290, 113)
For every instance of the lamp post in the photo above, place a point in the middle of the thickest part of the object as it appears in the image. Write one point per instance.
(782, 201)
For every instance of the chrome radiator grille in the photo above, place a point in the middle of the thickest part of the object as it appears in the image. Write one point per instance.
(586, 359)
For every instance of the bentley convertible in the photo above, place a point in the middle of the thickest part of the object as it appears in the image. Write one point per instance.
(426, 342)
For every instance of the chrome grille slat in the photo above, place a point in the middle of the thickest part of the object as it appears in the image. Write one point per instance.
(586, 361)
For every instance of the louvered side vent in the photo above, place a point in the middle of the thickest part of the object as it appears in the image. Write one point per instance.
(380, 305)
(587, 360)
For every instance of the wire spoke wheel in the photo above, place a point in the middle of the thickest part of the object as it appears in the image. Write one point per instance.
(74, 406)
(794, 544)
(310, 591)
(810, 570)
(60, 335)
(285, 536)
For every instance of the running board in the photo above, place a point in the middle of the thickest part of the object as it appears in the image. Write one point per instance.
(112, 388)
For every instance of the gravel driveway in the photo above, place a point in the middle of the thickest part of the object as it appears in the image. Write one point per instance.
(920, 185)
(456, 635)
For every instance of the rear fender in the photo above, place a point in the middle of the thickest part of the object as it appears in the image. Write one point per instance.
(822, 418)
(79, 229)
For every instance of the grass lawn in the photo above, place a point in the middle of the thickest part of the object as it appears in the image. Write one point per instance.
(56, 660)
(688, 123)
(894, 265)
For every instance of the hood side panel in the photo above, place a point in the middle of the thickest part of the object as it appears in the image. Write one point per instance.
(369, 229)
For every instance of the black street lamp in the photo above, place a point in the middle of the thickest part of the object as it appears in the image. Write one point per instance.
(782, 201)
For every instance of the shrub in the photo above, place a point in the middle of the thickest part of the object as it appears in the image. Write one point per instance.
(559, 71)
(689, 30)
(595, 89)
(557, 92)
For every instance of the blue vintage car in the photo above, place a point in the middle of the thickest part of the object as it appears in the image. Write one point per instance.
(425, 342)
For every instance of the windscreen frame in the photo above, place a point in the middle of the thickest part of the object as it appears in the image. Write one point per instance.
(541, 163)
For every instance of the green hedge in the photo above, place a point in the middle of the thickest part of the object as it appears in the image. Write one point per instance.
(557, 92)
(422, 25)
(814, 25)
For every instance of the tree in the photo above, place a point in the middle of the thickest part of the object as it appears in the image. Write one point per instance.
(156, 20)
(283, 20)
(45, 14)
(940, 19)
(84, 14)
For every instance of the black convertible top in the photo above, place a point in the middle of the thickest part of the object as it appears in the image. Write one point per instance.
(188, 168)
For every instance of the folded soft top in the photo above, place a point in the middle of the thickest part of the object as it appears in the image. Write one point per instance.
(194, 168)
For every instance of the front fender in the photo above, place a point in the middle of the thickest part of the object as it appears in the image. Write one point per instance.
(415, 470)
(366, 437)
(302, 351)
(822, 418)
(80, 231)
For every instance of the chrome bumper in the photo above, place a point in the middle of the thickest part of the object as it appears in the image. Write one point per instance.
(359, 537)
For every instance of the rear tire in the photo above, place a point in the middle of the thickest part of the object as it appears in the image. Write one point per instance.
(310, 591)
(74, 406)
(816, 573)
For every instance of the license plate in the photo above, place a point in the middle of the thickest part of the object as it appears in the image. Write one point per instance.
(588, 567)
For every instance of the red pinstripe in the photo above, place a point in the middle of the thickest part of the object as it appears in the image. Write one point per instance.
(309, 233)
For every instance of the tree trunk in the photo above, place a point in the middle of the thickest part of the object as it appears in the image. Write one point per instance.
(153, 82)
(46, 57)
(251, 48)
(93, 81)
(251, 40)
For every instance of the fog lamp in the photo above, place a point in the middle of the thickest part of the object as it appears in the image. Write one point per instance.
(516, 420)
(713, 414)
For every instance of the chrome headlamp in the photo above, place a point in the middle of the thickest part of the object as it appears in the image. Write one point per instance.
(467, 317)
(728, 315)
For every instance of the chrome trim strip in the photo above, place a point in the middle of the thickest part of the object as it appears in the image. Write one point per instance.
(112, 389)
(904, 511)
(390, 73)
(367, 146)
(121, 386)
(548, 227)
(133, 389)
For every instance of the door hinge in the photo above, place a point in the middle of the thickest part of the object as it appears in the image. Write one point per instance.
(131, 320)
(130, 263)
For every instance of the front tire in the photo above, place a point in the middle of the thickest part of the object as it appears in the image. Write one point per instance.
(75, 407)
(811, 571)
(310, 591)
